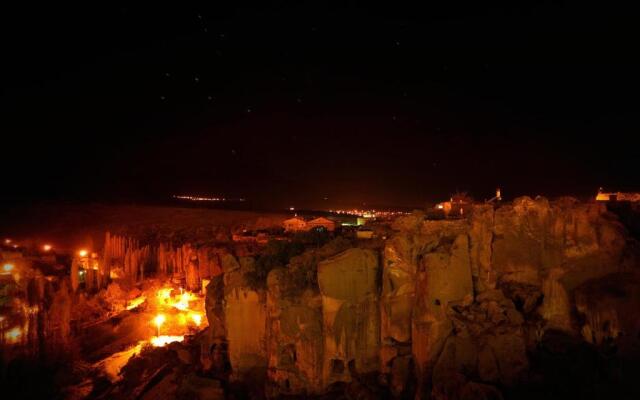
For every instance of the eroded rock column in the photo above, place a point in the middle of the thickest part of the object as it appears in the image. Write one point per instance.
(351, 320)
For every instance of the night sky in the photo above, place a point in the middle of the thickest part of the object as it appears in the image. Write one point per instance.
(298, 101)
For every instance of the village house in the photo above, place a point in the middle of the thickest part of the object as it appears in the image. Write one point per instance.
(457, 206)
(321, 222)
(617, 196)
(299, 224)
(295, 224)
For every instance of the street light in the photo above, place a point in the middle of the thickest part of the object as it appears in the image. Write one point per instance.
(159, 320)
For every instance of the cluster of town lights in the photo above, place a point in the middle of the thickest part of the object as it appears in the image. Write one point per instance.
(202, 198)
(368, 213)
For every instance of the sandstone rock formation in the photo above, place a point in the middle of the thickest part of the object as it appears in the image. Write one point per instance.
(294, 338)
(245, 320)
(349, 287)
(445, 309)
(470, 296)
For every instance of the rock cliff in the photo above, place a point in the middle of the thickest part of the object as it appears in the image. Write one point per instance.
(473, 297)
(444, 309)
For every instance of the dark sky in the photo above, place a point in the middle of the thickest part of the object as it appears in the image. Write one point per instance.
(297, 101)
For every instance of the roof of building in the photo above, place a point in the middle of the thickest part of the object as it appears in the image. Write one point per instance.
(321, 219)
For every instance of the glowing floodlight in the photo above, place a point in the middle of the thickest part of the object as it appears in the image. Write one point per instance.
(159, 320)
(197, 318)
(47, 247)
(83, 253)
(161, 341)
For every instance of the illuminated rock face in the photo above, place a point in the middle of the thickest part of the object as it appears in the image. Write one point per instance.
(553, 247)
(469, 296)
(396, 310)
(444, 278)
(294, 338)
(245, 321)
(349, 287)
(448, 309)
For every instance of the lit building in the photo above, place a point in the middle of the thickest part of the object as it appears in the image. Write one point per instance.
(321, 222)
(295, 224)
(617, 196)
(458, 205)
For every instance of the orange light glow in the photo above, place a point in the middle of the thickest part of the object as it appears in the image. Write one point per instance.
(115, 362)
(197, 318)
(159, 320)
(182, 304)
(115, 274)
(47, 247)
(178, 312)
(7, 241)
(136, 302)
(164, 295)
(161, 341)
(83, 253)
(171, 311)
(13, 335)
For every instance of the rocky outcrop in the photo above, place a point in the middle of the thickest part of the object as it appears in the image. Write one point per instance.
(349, 286)
(608, 308)
(470, 297)
(294, 338)
(245, 320)
(124, 253)
(444, 278)
(447, 309)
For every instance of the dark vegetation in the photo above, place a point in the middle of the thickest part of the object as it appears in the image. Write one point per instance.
(565, 367)
(300, 256)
